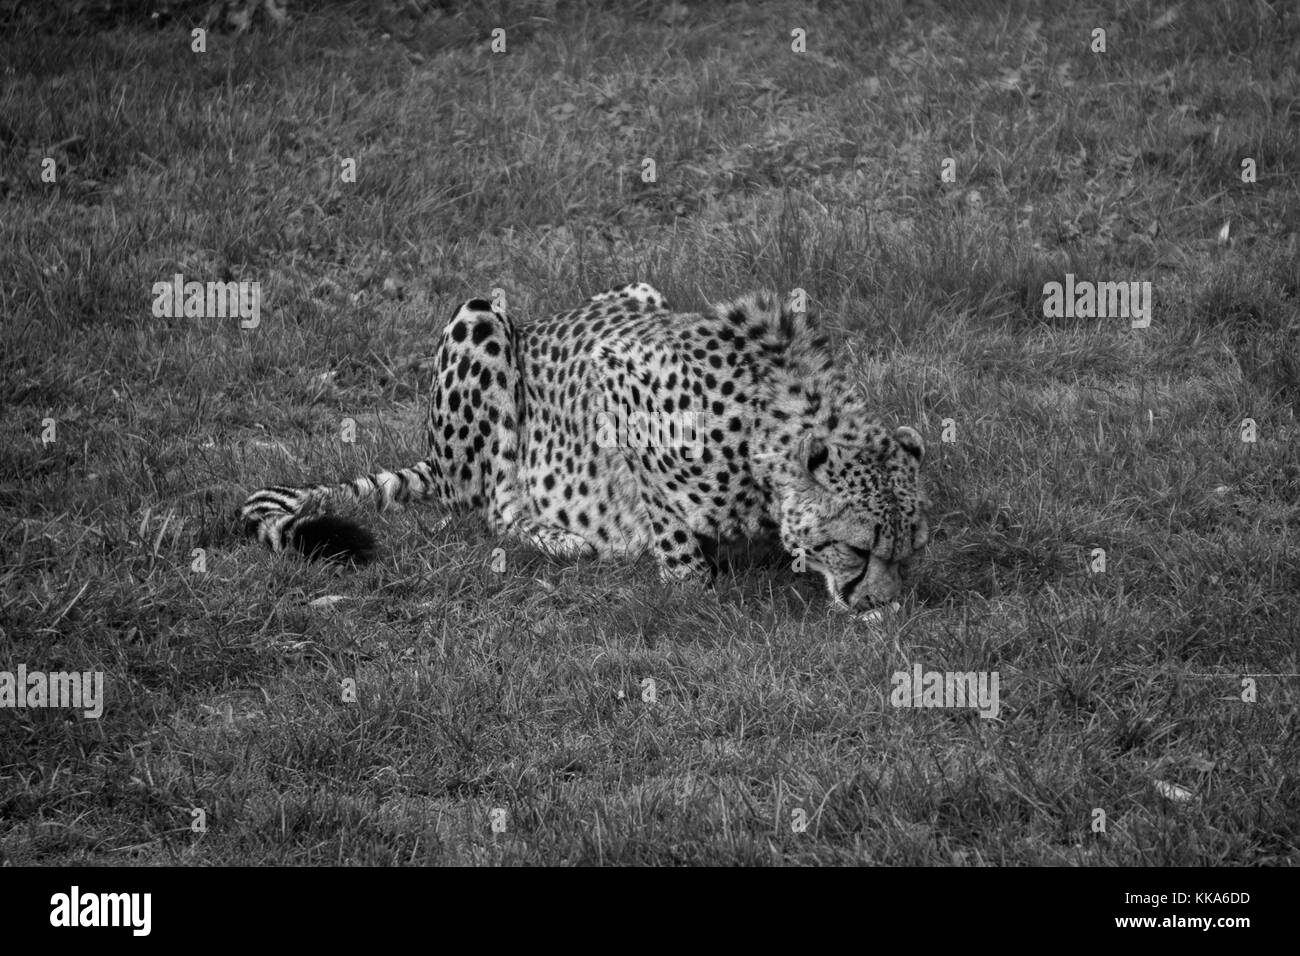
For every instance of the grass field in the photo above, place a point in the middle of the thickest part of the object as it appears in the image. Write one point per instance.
(523, 691)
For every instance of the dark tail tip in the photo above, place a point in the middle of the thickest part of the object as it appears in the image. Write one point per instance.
(331, 538)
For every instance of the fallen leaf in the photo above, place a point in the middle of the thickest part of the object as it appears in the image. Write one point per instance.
(1165, 19)
(1173, 792)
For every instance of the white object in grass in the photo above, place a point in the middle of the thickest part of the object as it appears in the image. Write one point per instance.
(877, 615)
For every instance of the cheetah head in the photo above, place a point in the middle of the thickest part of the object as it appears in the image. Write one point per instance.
(855, 513)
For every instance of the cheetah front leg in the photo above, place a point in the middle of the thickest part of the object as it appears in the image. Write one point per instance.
(676, 547)
(628, 368)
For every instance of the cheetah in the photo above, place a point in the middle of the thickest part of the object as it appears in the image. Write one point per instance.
(621, 427)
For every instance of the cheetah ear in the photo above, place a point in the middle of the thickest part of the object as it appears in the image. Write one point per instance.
(910, 441)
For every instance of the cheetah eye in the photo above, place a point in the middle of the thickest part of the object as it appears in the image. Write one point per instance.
(818, 454)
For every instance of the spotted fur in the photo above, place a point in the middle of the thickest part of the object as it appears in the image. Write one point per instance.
(544, 429)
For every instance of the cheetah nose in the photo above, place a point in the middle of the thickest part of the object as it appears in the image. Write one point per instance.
(886, 584)
(878, 584)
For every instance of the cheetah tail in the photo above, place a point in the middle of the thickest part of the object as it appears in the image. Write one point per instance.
(283, 517)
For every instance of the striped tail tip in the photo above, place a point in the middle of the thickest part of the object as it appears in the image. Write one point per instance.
(329, 537)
